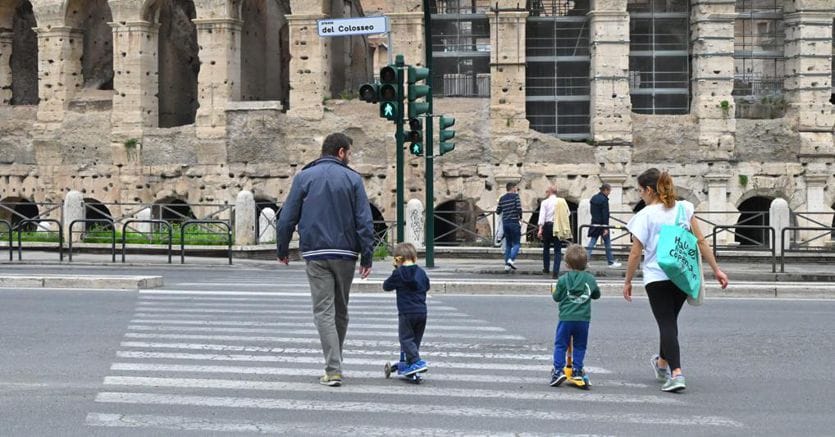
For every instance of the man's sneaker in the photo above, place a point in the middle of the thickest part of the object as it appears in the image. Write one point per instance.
(577, 374)
(674, 384)
(512, 264)
(416, 367)
(507, 268)
(662, 374)
(614, 265)
(334, 380)
(557, 378)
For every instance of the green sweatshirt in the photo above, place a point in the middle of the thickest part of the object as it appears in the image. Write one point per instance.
(574, 292)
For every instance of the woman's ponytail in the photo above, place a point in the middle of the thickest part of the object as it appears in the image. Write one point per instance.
(666, 190)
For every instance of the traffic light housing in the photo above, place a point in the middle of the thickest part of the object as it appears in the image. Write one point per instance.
(445, 134)
(370, 92)
(416, 91)
(387, 93)
(415, 136)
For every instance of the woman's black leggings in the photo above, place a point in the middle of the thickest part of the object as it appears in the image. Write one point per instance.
(666, 301)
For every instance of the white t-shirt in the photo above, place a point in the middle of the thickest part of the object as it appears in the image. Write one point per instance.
(646, 226)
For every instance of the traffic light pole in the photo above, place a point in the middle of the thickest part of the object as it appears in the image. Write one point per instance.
(401, 214)
(428, 152)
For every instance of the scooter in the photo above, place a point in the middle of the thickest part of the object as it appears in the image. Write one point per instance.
(400, 367)
(584, 383)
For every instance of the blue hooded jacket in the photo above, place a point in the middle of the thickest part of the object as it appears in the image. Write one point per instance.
(328, 203)
(411, 284)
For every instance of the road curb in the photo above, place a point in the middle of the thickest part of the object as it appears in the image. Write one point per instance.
(81, 282)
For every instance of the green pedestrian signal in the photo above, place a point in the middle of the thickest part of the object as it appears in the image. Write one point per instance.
(415, 136)
(446, 134)
(388, 110)
(388, 95)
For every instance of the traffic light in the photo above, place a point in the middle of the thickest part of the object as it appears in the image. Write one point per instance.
(370, 92)
(415, 75)
(388, 93)
(446, 134)
(415, 136)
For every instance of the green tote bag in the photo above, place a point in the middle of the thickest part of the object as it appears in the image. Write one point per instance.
(678, 255)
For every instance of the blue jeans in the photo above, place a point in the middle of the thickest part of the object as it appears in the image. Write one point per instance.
(513, 235)
(548, 241)
(607, 242)
(566, 330)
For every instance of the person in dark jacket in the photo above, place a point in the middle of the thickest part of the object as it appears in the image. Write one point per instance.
(328, 203)
(411, 284)
(600, 216)
(510, 208)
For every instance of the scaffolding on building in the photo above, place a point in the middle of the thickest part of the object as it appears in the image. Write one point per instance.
(460, 48)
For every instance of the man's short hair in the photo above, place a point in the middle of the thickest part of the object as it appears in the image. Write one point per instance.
(510, 185)
(334, 142)
(576, 257)
(605, 187)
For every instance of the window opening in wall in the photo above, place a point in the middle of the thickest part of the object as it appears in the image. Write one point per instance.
(754, 212)
(460, 48)
(350, 57)
(92, 17)
(759, 63)
(95, 210)
(557, 74)
(659, 59)
(265, 51)
(22, 56)
(172, 210)
(16, 209)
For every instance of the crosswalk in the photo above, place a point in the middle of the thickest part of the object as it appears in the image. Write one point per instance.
(216, 361)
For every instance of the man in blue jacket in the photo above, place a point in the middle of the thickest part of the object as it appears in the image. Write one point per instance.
(600, 216)
(328, 203)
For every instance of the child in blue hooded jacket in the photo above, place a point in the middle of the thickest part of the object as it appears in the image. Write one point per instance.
(411, 283)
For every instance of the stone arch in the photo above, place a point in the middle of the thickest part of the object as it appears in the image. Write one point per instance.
(351, 60)
(754, 211)
(92, 17)
(16, 209)
(459, 221)
(94, 209)
(172, 209)
(532, 227)
(178, 62)
(761, 192)
(18, 54)
(263, 202)
(265, 50)
(381, 228)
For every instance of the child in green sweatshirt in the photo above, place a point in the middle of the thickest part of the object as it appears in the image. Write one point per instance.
(574, 292)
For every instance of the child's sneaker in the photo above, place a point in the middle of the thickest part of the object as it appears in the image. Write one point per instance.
(416, 367)
(577, 374)
(557, 378)
(334, 380)
(674, 384)
(662, 374)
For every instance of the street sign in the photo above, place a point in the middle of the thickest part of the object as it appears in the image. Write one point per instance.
(353, 26)
(388, 110)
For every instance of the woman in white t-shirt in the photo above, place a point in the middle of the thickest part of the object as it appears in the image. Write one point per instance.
(665, 298)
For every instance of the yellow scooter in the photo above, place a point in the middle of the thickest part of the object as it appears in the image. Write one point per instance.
(584, 383)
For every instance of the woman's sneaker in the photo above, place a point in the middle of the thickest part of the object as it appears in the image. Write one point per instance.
(662, 374)
(674, 384)
(557, 378)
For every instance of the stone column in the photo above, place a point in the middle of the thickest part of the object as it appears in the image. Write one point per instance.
(6, 37)
(245, 219)
(779, 215)
(266, 226)
(407, 36)
(583, 218)
(135, 79)
(717, 200)
(712, 42)
(507, 72)
(611, 107)
(415, 223)
(73, 210)
(616, 181)
(219, 80)
(59, 70)
(816, 203)
(309, 67)
(808, 49)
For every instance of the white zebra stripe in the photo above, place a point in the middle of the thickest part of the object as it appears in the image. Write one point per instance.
(354, 333)
(282, 311)
(270, 308)
(420, 409)
(434, 327)
(308, 317)
(394, 390)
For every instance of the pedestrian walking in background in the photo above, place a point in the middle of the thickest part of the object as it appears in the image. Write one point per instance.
(562, 231)
(411, 284)
(600, 216)
(328, 203)
(665, 298)
(546, 231)
(573, 292)
(510, 207)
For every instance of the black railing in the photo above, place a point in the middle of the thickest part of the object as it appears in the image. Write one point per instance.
(188, 223)
(770, 247)
(625, 235)
(21, 226)
(157, 222)
(107, 222)
(799, 245)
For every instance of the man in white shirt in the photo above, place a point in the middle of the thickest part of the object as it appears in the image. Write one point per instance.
(547, 209)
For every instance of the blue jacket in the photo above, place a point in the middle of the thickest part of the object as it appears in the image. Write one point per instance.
(328, 203)
(599, 205)
(411, 284)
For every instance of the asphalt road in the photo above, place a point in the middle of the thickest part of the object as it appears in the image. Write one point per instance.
(224, 351)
